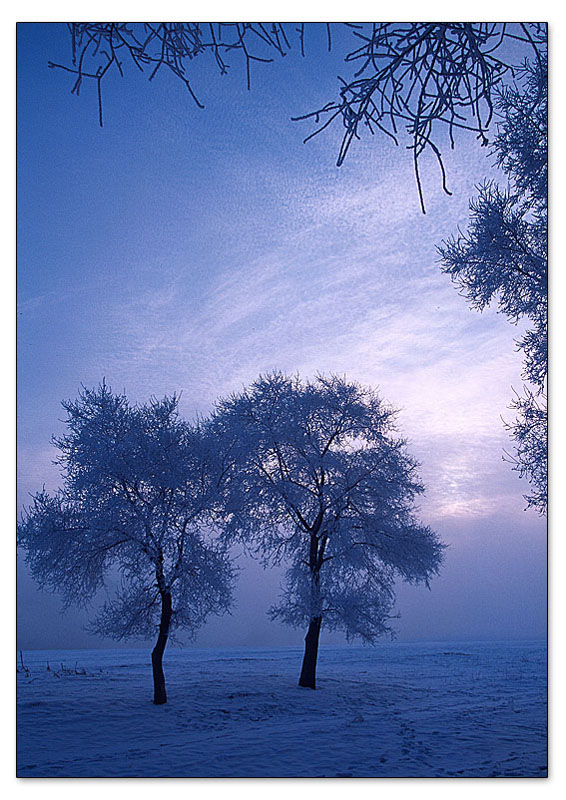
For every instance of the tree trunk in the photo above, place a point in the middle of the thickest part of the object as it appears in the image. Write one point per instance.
(159, 693)
(308, 671)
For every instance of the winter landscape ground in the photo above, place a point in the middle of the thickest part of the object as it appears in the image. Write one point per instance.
(397, 710)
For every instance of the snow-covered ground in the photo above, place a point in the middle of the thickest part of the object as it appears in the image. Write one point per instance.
(420, 710)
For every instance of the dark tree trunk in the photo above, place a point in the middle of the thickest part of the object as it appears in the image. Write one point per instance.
(159, 693)
(308, 671)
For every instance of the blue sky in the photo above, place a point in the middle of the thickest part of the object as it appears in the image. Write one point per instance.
(187, 250)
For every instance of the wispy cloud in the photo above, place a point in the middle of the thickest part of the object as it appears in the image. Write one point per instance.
(377, 311)
(346, 283)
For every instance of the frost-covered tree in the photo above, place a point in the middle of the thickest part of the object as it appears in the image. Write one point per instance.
(139, 495)
(502, 257)
(325, 485)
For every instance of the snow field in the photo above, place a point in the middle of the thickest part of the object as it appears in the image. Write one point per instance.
(396, 710)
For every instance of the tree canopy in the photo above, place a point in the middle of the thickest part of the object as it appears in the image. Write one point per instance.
(140, 490)
(312, 474)
(325, 485)
(502, 258)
